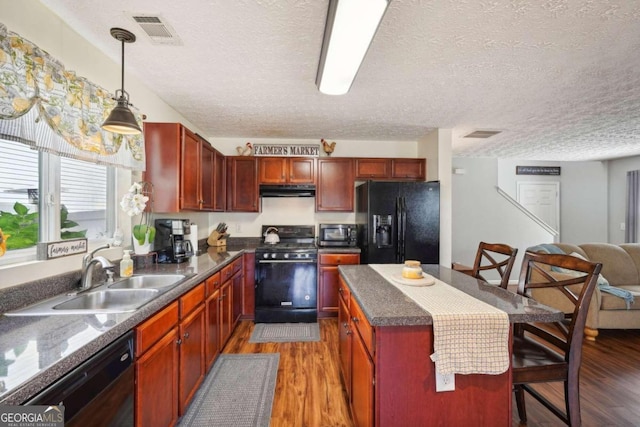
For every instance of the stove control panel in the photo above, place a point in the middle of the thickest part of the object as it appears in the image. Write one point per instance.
(289, 256)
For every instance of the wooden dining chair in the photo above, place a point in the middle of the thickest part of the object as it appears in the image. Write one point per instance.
(491, 256)
(552, 352)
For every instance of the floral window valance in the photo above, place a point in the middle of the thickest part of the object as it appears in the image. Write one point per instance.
(51, 109)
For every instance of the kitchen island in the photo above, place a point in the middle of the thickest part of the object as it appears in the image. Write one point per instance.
(385, 343)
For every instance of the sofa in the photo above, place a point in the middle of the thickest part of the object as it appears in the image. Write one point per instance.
(620, 268)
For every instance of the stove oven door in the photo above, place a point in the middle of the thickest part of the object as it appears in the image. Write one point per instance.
(286, 291)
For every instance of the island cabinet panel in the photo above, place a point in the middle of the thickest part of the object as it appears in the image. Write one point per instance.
(345, 341)
(362, 385)
(328, 281)
(287, 170)
(335, 185)
(242, 184)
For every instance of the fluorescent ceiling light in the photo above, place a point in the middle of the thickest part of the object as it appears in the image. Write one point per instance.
(350, 27)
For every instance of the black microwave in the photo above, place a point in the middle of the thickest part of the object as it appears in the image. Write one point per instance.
(337, 235)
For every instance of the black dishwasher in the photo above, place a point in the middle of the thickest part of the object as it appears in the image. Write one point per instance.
(100, 391)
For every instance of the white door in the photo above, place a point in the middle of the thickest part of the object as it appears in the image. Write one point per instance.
(543, 200)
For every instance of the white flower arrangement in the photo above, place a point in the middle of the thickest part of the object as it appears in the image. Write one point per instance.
(134, 202)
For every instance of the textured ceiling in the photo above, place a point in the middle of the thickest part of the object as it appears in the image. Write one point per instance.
(559, 78)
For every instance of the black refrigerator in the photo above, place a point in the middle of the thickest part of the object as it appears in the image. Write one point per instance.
(397, 221)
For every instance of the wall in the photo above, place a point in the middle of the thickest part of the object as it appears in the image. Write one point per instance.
(618, 195)
(33, 21)
(479, 213)
(583, 196)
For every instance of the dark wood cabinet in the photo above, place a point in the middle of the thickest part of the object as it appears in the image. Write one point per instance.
(362, 372)
(192, 355)
(328, 280)
(157, 369)
(409, 169)
(406, 169)
(219, 182)
(182, 168)
(249, 285)
(373, 168)
(212, 319)
(345, 335)
(335, 185)
(226, 311)
(242, 184)
(287, 170)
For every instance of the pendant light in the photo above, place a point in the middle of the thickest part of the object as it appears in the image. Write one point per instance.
(121, 120)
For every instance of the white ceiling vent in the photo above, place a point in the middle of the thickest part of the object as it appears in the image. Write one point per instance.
(482, 134)
(158, 30)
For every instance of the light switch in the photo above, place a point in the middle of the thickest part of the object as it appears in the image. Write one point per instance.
(622, 226)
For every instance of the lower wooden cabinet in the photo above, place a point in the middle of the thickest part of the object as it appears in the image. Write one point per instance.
(249, 285)
(345, 339)
(212, 319)
(170, 360)
(328, 280)
(362, 371)
(226, 311)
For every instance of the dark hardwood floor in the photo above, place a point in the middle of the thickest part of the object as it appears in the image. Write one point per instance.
(309, 391)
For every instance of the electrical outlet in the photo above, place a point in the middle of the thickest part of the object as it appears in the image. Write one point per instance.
(446, 382)
(238, 228)
(622, 226)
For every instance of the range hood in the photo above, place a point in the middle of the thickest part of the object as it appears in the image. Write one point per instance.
(307, 190)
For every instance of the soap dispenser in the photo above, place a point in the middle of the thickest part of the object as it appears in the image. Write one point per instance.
(126, 265)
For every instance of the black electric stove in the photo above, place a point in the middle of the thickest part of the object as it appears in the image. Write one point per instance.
(286, 276)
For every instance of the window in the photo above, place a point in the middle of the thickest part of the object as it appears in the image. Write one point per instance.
(44, 197)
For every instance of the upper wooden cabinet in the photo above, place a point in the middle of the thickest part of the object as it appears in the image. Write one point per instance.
(183, 168)
(287, 170)
(242, 184)
(335, 188)
(402, 169)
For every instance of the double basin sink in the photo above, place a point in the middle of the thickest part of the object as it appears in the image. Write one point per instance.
(125, 295)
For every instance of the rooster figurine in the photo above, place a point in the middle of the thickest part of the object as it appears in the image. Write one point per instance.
(247, 150)
(328, 147)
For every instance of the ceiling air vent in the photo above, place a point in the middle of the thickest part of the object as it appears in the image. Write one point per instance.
(159, 32)
(482, 134)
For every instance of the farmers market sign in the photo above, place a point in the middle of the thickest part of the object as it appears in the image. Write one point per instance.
(52, 250)
(286, 150)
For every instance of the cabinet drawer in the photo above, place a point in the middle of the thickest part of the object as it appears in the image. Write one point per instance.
(211, 284)
(226, 273)
(191, 300)
(362, 325)
(153, 329)
(339, 259)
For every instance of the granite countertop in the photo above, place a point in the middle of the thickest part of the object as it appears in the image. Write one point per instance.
(385, 305)
(36, 351)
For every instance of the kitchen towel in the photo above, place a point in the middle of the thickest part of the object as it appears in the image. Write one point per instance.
(469, 336)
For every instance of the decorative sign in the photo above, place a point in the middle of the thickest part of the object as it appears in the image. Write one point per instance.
(51, 250)
(537, 170)
(286, 150)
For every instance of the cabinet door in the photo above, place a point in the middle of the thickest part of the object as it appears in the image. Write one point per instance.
(212, 328)
(409, 169)
(226, 311)
(302, 170)
(335, 186)
(273, 170)
(192, 356)
(237, 297)
(328, 289)
(219, 182)
(362, 371)
(373, 168)
(242, 184)
(189, 171)
(156, 396)
(249, 280)
(207, 176)
(345, 337)
(163, 148)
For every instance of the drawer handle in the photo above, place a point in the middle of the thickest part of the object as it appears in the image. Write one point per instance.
(179, 341)
(186, 335)
(348, 332)
(355, 319)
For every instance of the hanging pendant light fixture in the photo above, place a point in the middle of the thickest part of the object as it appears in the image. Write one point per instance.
(121, 120)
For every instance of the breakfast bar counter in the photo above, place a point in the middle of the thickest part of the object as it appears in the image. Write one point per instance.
(387, 338)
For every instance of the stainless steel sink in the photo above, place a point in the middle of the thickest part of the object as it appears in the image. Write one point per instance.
(123, 296)
(149, 281)
(109, 301)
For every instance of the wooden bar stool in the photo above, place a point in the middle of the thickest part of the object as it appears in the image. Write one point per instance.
(491, 256)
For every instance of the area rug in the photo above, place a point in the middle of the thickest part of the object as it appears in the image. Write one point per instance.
(285, 332)
(237, 392)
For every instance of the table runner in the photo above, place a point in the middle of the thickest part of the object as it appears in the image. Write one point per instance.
(469, 336)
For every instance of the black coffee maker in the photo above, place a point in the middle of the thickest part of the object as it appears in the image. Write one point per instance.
(172, 240)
